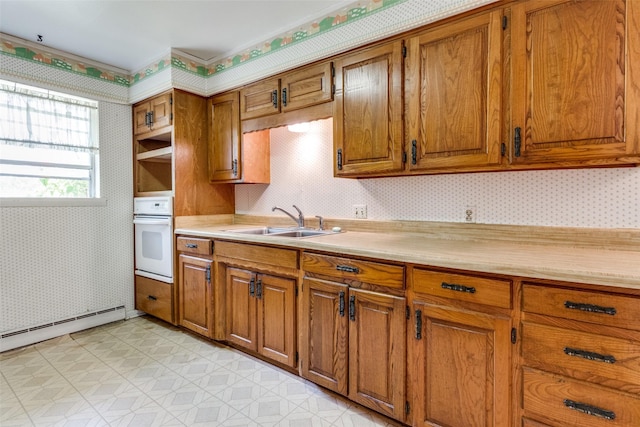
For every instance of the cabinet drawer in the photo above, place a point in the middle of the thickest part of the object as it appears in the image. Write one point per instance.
(577, 404)
(194, 245)
(278, 257)
(154, 297)
(582, 355)
(353, 269)
(463, 287)
(604, 309)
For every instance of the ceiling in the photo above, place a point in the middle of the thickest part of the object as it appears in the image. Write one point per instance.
(130, 34)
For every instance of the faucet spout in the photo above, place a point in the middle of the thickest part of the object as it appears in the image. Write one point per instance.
(299, 220)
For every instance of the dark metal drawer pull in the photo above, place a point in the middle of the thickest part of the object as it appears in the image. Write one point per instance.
(341, 303)
(191, 245)
(152, 298)
(458, 288)
(352, 308)
(589, 355)
(418, 324)
(589, 410)
(347, 268)
(252, 287)
(590, 308)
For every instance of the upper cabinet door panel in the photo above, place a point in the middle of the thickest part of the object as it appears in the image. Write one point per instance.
(367, 119)
(224, 138)
(571, 82)
(260, 99)
(306, 87)
(453, 94)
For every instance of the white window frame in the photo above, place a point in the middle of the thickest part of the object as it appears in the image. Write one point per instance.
(92, 148)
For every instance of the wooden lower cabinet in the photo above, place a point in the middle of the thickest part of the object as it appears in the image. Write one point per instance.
(154, 298)
(354, 343)
(261, 314)
(461, 367)
(195, 307)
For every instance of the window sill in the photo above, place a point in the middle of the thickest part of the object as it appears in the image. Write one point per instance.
(41, 202)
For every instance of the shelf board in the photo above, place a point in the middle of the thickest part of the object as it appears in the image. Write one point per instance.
(162, 155)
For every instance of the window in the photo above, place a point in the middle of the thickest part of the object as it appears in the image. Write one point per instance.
(48, 144)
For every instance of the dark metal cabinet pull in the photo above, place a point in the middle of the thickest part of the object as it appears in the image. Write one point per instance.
(352, 308)
(418, 324)
(517, 142)
(339, 159)
(150, 118)
(347, 268)
(252, 287)
(591, 308)
(259, 289)
(589, 355)
(341, 303)
(191, 245)
(458, 288)
(152, 298)
(274, 98)
(284, 97)
(234, 167)
(414, 152)
(589, 410)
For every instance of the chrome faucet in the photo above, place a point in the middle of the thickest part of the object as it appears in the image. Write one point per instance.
(299, 220)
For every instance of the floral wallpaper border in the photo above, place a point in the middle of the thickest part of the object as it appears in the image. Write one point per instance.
(350, 13)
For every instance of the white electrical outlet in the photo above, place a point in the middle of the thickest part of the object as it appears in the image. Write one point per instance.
(470, 214)
(360, 211)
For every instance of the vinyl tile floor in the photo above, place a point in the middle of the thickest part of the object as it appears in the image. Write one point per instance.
(144, 372)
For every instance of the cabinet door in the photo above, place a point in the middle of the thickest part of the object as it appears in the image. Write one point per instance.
(260, 99)
(453, 93)
(324, 334)
(195, 295)
(462, 367)
(572, 88)
(306, 87)
(152, 114)
(241, 308)
(276, 322)
(367, 118)
(377, 352)
(224, 138)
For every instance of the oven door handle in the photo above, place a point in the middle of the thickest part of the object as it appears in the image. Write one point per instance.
(150, 221)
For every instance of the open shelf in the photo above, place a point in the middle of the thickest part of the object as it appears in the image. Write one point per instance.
(158, 155)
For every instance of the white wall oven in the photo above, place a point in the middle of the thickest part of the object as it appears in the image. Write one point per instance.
(153, 225)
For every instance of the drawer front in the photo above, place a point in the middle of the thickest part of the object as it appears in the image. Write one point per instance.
(194, 245)
(463, 287)
(277, 257)
(603, 309)
(576, 404)
(353, 269)
(583, 355)
(155, 298)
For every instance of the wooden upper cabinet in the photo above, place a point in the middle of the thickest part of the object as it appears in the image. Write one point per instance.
(367, 114)
(234, 157)
(307, 86)
(224, 138)
(575, 73)
(453, 93)
(260, 99)
(152, 114)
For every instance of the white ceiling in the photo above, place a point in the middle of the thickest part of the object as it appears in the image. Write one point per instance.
(130, 34)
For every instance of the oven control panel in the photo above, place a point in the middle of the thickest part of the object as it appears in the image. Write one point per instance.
(153, 206)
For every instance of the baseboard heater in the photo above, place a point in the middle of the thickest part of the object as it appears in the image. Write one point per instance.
(46, 331)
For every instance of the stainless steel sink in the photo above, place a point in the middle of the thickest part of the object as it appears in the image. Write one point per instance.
(281, 231)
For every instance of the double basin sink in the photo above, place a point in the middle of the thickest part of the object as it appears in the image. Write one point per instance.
(282, 232)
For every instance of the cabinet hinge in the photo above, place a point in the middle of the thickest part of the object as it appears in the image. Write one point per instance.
(503, 149)
(171, 116)
(297, 357)
(404, 157)
(407, 407)
(407, 312)
(514, 335)
(333, 70)
(296, 290)
(171, 100)
(404, 51)
(504, 22)
(208, 274)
